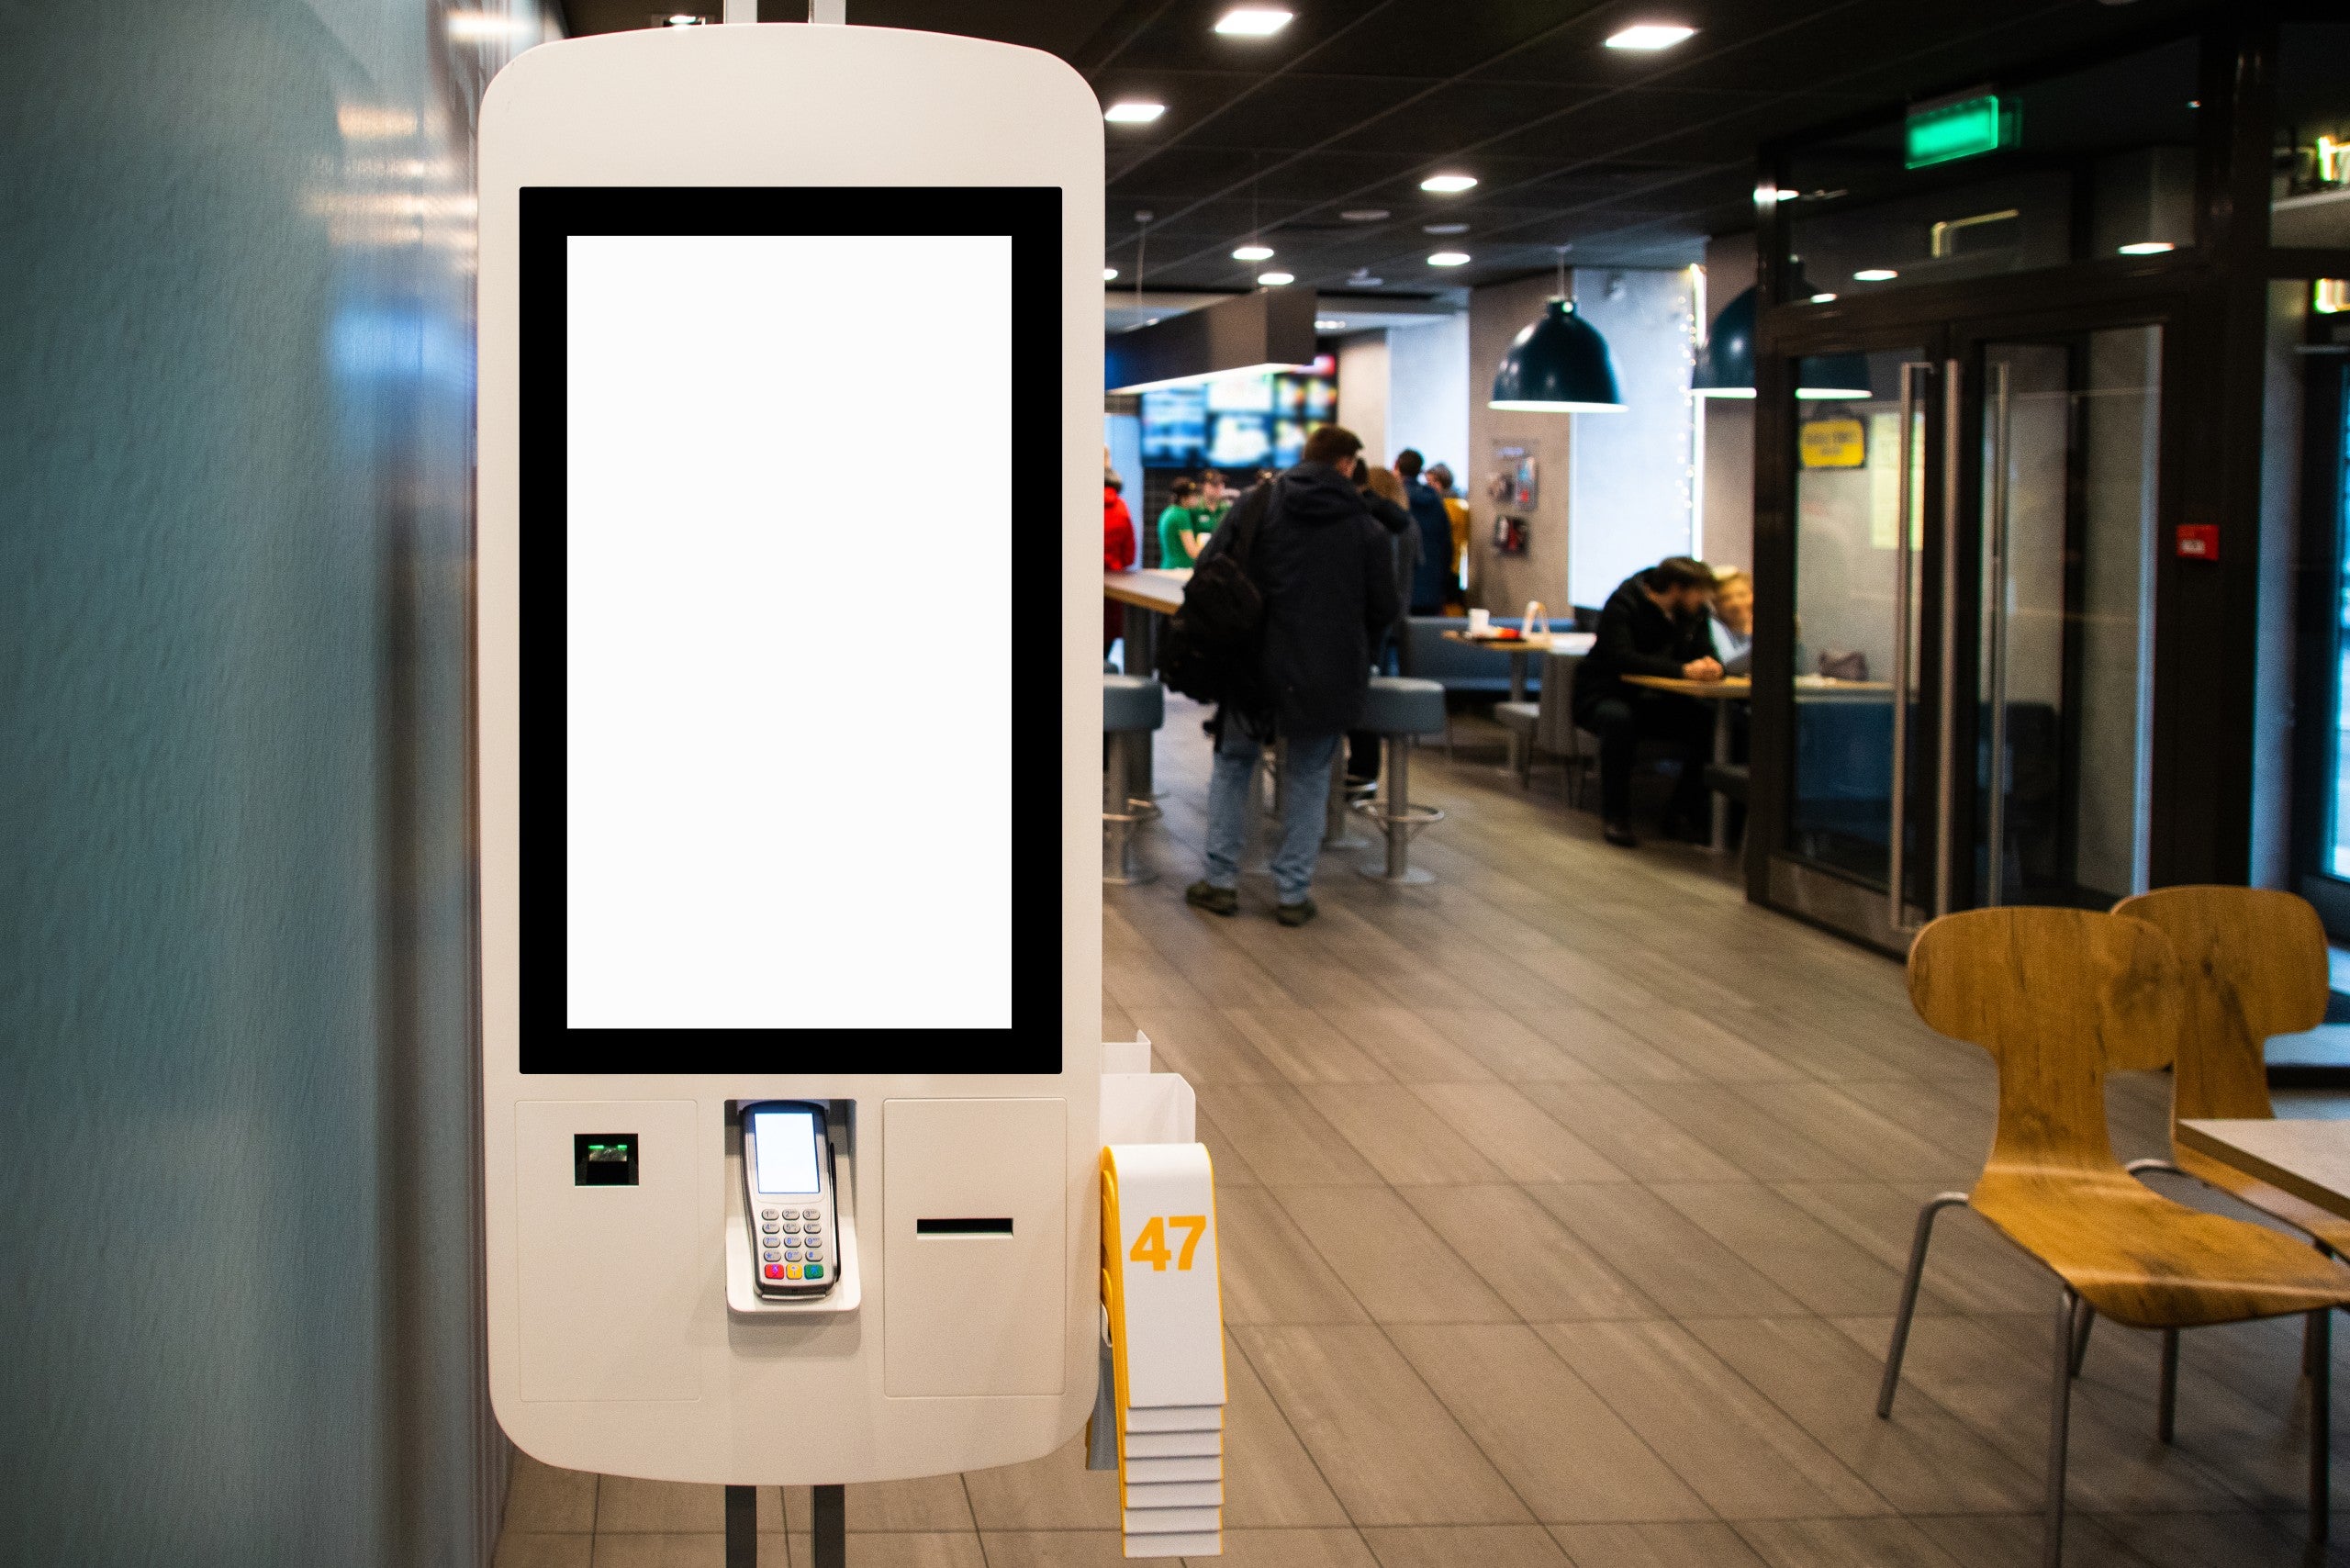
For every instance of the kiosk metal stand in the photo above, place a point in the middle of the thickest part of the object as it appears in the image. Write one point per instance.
(827, 1530)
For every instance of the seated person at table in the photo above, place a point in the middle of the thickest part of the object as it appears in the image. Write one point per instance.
(1733, 621)
(1180, 537)
(1655, 623)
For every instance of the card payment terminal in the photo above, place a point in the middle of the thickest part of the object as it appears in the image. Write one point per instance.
(788, 1186)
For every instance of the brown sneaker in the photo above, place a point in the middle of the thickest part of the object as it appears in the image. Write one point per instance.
(1214, 900)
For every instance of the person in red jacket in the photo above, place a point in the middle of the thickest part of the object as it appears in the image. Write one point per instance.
(1117, 553)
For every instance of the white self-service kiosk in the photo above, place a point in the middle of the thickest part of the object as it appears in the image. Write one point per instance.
(789, 698)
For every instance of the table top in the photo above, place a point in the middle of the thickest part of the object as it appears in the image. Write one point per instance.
(1153, 589)
(1735, 687)
(1540, 643)
(2305, 1157)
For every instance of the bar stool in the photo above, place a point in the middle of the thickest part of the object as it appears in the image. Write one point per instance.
(1396, 709)
(1132, 706)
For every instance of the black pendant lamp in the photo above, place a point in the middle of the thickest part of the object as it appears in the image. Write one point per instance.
(1558, 365)
(1726, 365)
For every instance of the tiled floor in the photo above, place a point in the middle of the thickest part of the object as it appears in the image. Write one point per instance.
(1563, 1206)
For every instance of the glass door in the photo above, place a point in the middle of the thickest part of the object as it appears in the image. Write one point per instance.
(2070, 430)
(1968, 722)
(1853, 850)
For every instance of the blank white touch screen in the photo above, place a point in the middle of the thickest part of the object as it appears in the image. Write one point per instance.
(785, 1142)
(790, 540)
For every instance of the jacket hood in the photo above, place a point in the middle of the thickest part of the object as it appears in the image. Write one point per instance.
(1316, 494)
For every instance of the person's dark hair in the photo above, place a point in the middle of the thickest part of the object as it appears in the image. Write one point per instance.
(1330, 444)
(1679, 571)
(1181, 487)
(1440, 475)
(1408, 463)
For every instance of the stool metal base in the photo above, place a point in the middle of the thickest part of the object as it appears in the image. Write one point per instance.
(1397, 818)
(1120, 867)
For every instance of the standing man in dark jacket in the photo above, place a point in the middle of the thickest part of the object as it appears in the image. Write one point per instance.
(1655, 624)
(1436, 535)
(1326, 567)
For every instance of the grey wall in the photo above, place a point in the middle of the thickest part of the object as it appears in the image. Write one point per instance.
(1728, 517)
(237, 1080)
(1362, 391)
(1504, 583)
(1427, 398)
(1633, 482)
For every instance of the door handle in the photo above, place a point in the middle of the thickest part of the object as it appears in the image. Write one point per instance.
(1945, 793)
(1995, 827)
(1905, 516)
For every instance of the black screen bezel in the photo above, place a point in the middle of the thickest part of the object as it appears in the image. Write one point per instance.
(1031, 218)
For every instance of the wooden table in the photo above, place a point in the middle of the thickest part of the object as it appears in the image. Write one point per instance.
(1721, 694)
(2307, 1158)
(1520, 649)
(1161, 592)
(1147, 595)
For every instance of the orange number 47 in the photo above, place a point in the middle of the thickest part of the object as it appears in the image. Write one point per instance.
(1150, 1246)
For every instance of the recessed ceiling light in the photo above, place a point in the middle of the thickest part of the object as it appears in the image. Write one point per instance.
(1252, 252)
(2148, 248)
(1364, 214)
(1252, 21)
(1449, 259)
(1875, 274)
(1360, 278)
(1449, 184)
(1274, 280)
(683, 19)
(1324, 324)
(1108, 273)
(1444, 229)
(483, 25)
(1651, 35)
(1821, 299)
(1133, 112)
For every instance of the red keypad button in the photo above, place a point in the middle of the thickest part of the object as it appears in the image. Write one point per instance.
(775, 1271)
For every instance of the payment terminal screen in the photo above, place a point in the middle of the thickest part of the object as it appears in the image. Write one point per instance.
(791, 626)
(785, 1145)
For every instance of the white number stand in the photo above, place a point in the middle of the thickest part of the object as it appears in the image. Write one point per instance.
(1163, 1392)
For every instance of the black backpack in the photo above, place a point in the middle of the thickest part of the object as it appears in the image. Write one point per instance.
(1208, 650)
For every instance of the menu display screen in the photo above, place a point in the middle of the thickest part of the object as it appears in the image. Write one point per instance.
(1260, 419)
(773, 840)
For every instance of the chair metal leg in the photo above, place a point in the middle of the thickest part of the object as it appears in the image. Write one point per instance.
(2083, 1320)
(2060, 1413)
(2166, 1405)
(2319, 1342)
(1910, 1281)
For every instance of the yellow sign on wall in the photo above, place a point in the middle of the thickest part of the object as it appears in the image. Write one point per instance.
(1833, 444)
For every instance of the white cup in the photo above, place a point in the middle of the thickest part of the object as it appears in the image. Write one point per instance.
(1480, 621)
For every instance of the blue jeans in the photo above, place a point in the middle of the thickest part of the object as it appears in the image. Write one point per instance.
(1305, 793)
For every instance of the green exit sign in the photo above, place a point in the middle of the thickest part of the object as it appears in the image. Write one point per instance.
(1958, 128)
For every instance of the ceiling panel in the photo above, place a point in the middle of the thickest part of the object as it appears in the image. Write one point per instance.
(1631, 157)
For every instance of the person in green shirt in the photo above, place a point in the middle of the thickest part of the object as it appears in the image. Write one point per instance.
(1179, 534)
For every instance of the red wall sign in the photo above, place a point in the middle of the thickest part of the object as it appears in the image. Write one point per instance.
(2198, 540)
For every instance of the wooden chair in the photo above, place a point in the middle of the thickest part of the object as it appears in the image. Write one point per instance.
(2058, 997)
(2256, 965)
